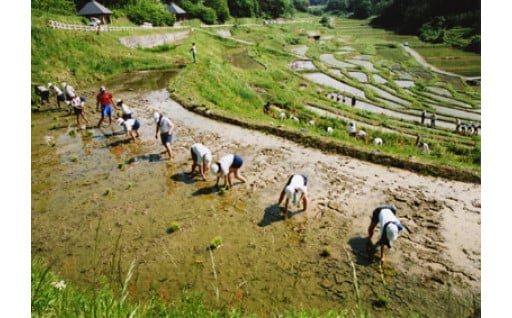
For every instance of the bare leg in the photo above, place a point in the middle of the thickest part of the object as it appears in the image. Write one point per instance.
(281, 197)
(169, 151)
(239, 176)
(371, 228)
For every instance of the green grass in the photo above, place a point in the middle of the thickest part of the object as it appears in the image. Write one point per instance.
(51, 296)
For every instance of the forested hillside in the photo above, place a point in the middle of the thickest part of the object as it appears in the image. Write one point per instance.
(457, 22)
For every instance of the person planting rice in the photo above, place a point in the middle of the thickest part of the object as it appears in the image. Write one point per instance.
(390, 227)
(296, 190)
(227, 165)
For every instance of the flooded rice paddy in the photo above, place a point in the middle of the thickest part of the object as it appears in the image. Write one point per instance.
(100, 202)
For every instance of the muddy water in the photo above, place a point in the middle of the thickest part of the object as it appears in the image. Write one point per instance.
(100, 203)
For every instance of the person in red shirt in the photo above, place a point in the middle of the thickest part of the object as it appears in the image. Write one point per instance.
(106, 101)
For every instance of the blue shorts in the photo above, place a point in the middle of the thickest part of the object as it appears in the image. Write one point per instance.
(106, 110)
(237, 162)
(136, 125)
(166, 138)
(61, 97)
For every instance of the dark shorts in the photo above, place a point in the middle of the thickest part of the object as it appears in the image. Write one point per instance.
(237, 162)
(78, 111)
(136, 125)
(61, 97)
(127, 116)
(376, 212)
(166, 138)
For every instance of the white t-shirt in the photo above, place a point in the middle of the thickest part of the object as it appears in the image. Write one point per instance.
(56, 90)
(385, 216)
(70, 91)
(226, 162)
(128, 124)
(125, 109)
(297, 183)
(201, 151)
(166, 125)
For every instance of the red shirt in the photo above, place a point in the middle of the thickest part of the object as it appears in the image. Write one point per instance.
(105, 98)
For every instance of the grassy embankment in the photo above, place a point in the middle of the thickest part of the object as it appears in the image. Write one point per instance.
(238, 93)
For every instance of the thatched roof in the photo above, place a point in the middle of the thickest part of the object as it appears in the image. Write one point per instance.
(93, 8)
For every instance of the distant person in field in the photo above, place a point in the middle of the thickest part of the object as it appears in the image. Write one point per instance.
(125, 110)
(58, 94)
(266, 108)
(131, 127)
(390, 227)
(225, 167)
(433, 119)
(423, 116)
(165, 127)
(78, 104)
(296, 191)
(193, 51)
(106, 101)
(353, 101)
(69, 91)
(201, 158)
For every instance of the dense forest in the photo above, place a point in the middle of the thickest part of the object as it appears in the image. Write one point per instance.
(456, 22)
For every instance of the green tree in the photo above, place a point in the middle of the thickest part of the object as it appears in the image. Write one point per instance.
(336, 6)
(220, 7)
(149, 11)
(274, 8)
(301, 5)
(243, 8)
(362, 9)
(54, 6)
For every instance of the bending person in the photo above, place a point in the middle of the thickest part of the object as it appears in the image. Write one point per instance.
(227, 165)
(201, 158)
(390, 227)
(296, 189)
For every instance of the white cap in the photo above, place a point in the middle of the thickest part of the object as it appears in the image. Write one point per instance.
(156, 117)
(214, 168)
(119, 121)
(391, 232)
(102, 88)
(119, 101)
(50, 85)
(64, 84)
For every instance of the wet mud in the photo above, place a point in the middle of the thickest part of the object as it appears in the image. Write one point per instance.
(100, 202)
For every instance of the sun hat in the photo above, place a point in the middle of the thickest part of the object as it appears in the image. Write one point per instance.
(391, 232)
(215, 168)
(102, 88)
(50, 85)
(119, 121)
(64, 84)
(156, 117)
(119, 101)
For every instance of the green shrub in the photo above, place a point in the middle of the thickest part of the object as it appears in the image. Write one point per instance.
(149, 11)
